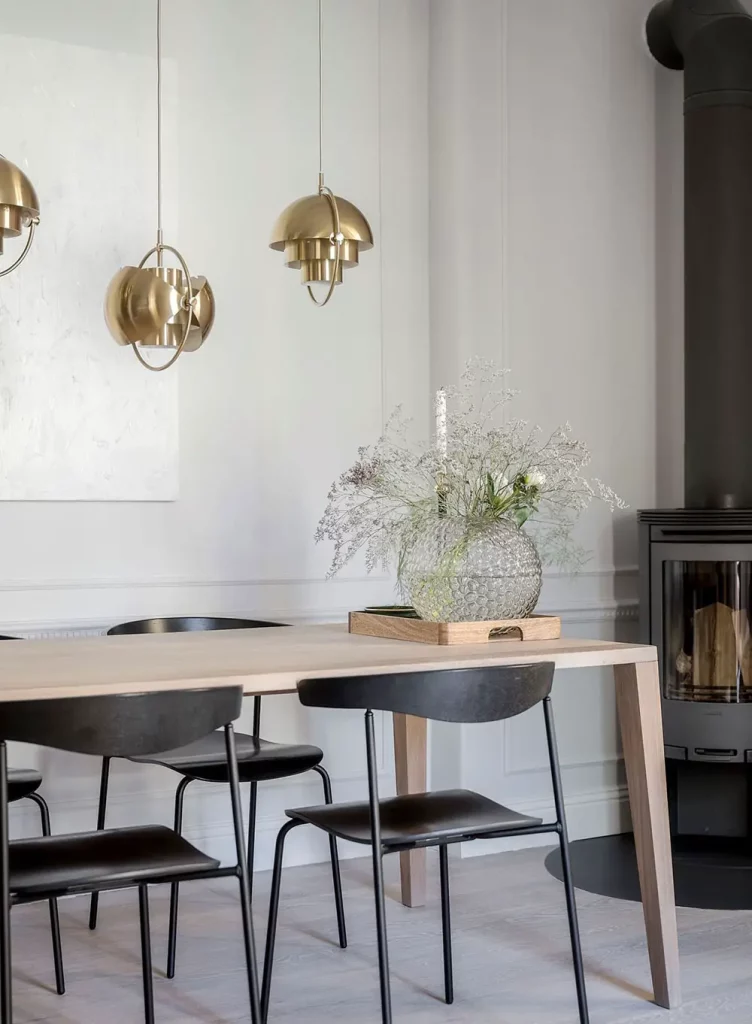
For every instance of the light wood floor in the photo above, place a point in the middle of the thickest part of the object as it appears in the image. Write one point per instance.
(512, 961)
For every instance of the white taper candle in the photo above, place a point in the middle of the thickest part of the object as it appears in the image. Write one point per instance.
(441, 422)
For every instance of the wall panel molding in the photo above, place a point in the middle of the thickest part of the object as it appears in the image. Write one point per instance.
(151, 582)
(157, 582)
(59, 629)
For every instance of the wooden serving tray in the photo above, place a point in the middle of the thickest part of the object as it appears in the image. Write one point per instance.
(399, 627)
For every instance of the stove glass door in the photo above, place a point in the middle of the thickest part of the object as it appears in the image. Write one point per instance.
(706, 630)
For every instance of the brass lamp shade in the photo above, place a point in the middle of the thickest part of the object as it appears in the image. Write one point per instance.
(305, 232)
(19, 207)
(149, 307)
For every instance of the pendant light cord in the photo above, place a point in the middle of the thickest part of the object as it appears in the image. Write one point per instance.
(189, 297)
(321, 96)
(336, 235)
(159, 133)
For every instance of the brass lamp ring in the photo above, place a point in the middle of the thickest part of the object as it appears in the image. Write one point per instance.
(336, 238)
(32, 227)
(188, 301)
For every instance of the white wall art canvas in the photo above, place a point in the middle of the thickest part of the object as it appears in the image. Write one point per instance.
(79, 418)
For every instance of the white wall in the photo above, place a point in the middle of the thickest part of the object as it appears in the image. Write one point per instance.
(505, 152)
(543, 256)
(272, 407)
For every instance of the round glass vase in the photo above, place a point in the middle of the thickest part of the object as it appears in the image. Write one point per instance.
(465, 571)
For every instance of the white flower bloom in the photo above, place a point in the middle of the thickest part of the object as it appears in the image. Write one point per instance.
(535, 478)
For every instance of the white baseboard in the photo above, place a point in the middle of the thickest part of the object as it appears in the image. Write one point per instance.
(602, 812)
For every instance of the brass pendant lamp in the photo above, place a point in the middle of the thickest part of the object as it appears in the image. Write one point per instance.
(19, 209)
(159, 307)
(323, 233)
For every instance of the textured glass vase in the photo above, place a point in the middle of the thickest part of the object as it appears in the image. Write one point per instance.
(458, 572)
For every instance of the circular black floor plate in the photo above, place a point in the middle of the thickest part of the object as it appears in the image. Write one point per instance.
(707, 874)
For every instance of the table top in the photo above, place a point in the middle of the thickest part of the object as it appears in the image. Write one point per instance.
(268, 660)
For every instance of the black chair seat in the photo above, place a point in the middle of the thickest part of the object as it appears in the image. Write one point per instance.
(258, 760)
(420, 817)
(22, 782)
(84, 861)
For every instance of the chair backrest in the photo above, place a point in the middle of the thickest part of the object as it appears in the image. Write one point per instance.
(450, 695)
(121, 725)
(187, 624)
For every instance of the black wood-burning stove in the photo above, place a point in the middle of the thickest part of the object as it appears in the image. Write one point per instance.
(696, 563)
(696, 607)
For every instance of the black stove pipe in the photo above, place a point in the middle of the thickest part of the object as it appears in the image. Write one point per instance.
(711, 41)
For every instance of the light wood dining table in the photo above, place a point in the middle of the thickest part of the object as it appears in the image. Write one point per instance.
(267, 661)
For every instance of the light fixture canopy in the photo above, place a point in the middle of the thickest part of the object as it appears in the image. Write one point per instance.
(321, 234)
(159, 307)
(19, 209)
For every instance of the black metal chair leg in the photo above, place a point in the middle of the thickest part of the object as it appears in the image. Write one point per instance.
(334, 856)
(57, 948)
(6, 988)
(378, 892)
(146, 968)
(446, 925)
(377, 855)
(574, 930)
(104, 783)
(252, 832)
(172, 931)
(271, 928)
(245, 889)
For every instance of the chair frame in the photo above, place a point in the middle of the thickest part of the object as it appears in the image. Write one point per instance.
(57, 948)
(221, 622)
(238, 870)
(391, 699)
(44, 813)
(250, 846)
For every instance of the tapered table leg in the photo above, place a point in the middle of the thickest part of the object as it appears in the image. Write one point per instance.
(639, 702)
(410, 735)
(6, 993)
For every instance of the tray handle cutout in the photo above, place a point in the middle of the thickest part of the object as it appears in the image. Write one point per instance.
(506, 633)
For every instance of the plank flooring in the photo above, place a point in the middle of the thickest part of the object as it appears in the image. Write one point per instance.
(512, 961)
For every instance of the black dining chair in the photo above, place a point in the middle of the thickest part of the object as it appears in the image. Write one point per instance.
(23, 784)
(260, 760)
(430, 819)
(66, 865)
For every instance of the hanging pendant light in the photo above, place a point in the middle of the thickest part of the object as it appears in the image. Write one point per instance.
(321, 234)
(19, 209)
(159, 307)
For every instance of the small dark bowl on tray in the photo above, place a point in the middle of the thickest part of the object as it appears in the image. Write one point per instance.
(404, 611)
